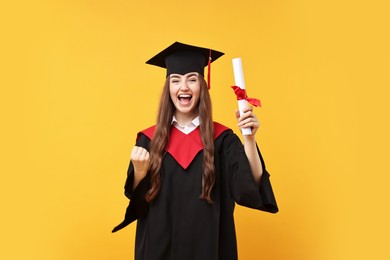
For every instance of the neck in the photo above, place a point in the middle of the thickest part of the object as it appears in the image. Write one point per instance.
(184, 119)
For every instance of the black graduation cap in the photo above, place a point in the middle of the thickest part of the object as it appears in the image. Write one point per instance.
(182, 58)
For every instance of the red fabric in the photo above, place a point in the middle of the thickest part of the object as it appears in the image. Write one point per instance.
(149, 132)
(184, 147)
(209, 71)
(241, 94)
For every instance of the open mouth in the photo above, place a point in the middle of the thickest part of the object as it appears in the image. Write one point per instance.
(184, 98)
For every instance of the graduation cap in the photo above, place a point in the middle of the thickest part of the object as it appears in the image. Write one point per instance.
(180, 58)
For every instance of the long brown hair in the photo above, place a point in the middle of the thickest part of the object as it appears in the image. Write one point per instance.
(161, 138)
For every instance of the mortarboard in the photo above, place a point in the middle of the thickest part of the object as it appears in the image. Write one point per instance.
(182, 58)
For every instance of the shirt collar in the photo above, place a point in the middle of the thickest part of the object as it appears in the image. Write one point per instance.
(186, 129)
(195, 122)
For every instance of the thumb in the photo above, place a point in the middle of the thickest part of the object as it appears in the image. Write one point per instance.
(237, 114)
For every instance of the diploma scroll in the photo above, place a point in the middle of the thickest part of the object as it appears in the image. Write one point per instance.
(239, 81)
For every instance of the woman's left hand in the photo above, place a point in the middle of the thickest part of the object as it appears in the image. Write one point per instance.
(248, 119)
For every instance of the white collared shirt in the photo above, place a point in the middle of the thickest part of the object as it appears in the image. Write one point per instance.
(186, 129)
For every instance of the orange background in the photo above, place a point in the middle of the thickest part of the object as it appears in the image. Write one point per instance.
(75, 90)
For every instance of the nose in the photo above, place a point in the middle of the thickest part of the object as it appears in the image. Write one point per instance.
(184, 85)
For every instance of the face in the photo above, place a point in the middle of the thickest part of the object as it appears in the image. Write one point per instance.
(184, 91)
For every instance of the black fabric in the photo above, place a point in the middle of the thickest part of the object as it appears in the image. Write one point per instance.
(179, 225)
(180, 58)
(184, 62)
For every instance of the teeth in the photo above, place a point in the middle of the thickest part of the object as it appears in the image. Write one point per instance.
(185, 96)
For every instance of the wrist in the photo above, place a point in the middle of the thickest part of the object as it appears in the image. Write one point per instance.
(249, 139)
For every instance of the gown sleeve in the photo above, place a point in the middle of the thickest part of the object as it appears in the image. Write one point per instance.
(244, 190)
(138, 206)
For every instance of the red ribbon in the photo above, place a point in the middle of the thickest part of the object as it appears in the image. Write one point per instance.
(209, 71)
(241, 94)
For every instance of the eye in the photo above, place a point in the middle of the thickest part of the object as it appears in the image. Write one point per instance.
(174, 81)
(193, 80)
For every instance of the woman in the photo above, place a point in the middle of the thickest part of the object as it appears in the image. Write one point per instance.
(187, 172)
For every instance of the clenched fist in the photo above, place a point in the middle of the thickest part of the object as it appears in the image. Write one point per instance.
(248, 119)
(141, 161)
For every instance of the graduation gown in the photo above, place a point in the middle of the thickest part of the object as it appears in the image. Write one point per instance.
(178, 225)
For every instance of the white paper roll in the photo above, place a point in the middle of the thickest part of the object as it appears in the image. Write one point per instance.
(239, 81)
(238, 74)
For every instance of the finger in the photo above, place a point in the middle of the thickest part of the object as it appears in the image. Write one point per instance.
(134, 151)
(246, 115)
(248, 108)
(244, 111)
(147, 156)
(134, 156)
(143, 154)
(251, 125)
(250, 118)
(254, 123)
(142, 151)
(246, 121)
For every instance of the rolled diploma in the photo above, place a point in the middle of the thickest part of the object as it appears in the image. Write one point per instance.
(239, 81)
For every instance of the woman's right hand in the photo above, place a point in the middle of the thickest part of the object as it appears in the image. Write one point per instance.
(141, 162)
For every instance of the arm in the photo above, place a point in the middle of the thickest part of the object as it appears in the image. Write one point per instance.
(249, 119)
(136, 178)
(141, 162)
(261, 195)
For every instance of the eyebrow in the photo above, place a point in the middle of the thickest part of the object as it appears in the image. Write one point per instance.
(192, 74)
(188, 76)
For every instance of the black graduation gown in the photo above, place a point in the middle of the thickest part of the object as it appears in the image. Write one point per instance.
(178, 225)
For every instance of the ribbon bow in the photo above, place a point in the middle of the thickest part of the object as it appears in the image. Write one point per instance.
(241, 94)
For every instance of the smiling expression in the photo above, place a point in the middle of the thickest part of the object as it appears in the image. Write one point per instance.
(184, 91)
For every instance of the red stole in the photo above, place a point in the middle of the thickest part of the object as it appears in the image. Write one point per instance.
(184, 147)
